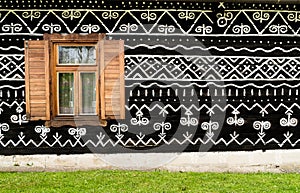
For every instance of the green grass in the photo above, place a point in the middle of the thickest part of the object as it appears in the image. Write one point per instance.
(156, 181)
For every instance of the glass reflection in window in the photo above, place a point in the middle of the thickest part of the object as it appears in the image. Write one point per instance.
(88, 93)
(76, 55)
(66, 93)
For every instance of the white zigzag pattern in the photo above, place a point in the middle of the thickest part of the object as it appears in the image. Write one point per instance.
(195, 68)
(150, 142)
(230, 27)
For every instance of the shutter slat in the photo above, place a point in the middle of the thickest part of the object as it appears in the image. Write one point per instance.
(37, 80)
(112, 94)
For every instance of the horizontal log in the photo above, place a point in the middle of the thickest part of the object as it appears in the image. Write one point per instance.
(37, 98)
(38, 113)
(112, 76)
(40, 59)
(37, 76)
(36, 43)
(38, 101)
(37, 80)
(34, 55)
(38, 93)
(111, 71)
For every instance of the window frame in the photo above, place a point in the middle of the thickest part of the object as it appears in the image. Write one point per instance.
(42, 55)
(76, 69)
(57, 93)
(56, 40)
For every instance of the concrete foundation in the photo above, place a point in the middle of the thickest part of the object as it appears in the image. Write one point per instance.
(255, 161)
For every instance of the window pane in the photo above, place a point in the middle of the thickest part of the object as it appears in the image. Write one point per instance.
(88, 93)
(66, 93)
(78, 55)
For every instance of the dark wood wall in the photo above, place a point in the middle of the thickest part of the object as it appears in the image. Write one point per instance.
(199, 76)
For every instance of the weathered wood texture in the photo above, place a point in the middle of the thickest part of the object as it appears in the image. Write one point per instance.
(37, 80)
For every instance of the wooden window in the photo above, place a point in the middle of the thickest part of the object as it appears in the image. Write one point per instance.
(74, 77)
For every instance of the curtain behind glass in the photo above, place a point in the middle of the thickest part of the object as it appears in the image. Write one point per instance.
(66, 93)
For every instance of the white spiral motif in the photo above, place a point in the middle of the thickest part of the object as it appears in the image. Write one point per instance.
(240, 121)
(4, 127)
(257, 125)
(280, 29)
(149, 16)
(158, 126)
(215, 125)
(293, 121)
(90, 28)
(110, 15)
(189, 121)
(230, 121)
(42, 130)
(139, 121)
(288, 122)
(77, 132)
(14, 119)
(71, 14)
(293, 17)
(31, 14)
(186, 15)
(235, 121)
(12, 28)
(128, 27)
(241, 29)
(223, 19)
(261, 16)
(210, 126)
(162, 126)
(166, 29)
(204, 29)
(52, 27)
(119, 128)
(261, 125)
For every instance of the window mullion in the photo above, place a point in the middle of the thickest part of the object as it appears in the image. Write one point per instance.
(76, 99)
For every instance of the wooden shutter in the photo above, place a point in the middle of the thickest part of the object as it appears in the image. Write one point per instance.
(112, 91)
(37, 80)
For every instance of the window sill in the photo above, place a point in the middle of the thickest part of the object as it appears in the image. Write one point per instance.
(75, 121)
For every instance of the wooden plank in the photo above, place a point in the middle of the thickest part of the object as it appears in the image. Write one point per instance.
(27, 83)
(38, 102)
(111, 63)
(38, 93)
(102, 81)
(111, 44)
(112, 76)
(112, 67)
(113, 101)
(36, 43)
(38, 113)
(112, 113)
(47, 75)
(111, 56)
(114, 109)
(36, 76)
(122, 81)
(37, 98)
(36, 64)
(36, 118)
(37, 69)
(112, 85)
(37, 52)
(36, 90)
(40, 107)
(112, 93)
(37, 60)
(38, 82)
(110, 71)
